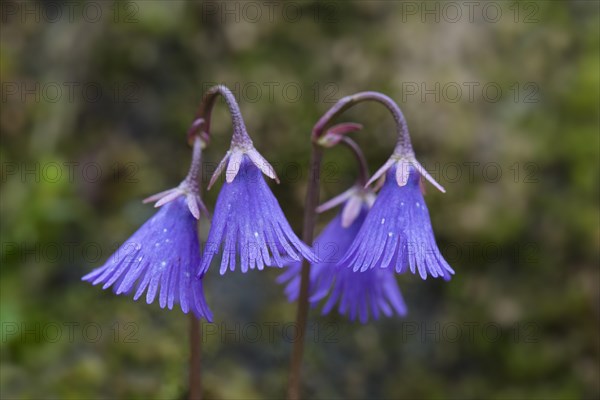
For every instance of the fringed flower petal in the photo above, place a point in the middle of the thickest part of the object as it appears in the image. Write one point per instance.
(357, 294)
(397, 233)
(159, 260)
(249, 226)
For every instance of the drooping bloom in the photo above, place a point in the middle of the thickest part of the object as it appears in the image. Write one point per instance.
(160, 258)
(248, 223)
(358, 294)
(397, 232)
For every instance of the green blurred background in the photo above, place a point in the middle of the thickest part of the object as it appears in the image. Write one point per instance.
(502, 102)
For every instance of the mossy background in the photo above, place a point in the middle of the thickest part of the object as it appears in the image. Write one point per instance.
(525, 245)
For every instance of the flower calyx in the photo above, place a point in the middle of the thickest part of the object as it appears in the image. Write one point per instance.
(233, 160)
(404, 163)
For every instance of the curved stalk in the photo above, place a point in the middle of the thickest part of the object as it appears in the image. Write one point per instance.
(403, 147)
(201, 125)
(403, 144)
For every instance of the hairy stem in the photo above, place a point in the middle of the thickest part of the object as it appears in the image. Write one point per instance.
(240, 134)
(193, 177)
(310, 215)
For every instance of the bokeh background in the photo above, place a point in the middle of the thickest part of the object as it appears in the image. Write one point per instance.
(502, 101)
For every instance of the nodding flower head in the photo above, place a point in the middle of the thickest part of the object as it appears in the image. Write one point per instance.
(397, 232)
(358, 294)
(161, 257)
(248, 221)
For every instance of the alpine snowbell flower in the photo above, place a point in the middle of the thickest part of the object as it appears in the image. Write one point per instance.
(161, 257)
(394, 235)
(358, 294)
(248, 222)
(397, 231)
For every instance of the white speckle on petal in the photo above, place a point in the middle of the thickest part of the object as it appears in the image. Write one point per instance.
(255, 234)
(167, 240)
(156, 244)
(382, 221)
(401, 203)
(164, 230)
(390, 234)
(138, 246)
(417, 203)
(163, 264)
(187, 274)
(139, 258)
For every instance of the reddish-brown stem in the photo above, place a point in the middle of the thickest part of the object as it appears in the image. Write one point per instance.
(310, 215)
(403, 144)
(403, 147)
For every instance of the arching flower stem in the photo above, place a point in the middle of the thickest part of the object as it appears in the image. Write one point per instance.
(199, 137)
(403, 144)
(325, 134)
(241, 143)
(201, 125)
